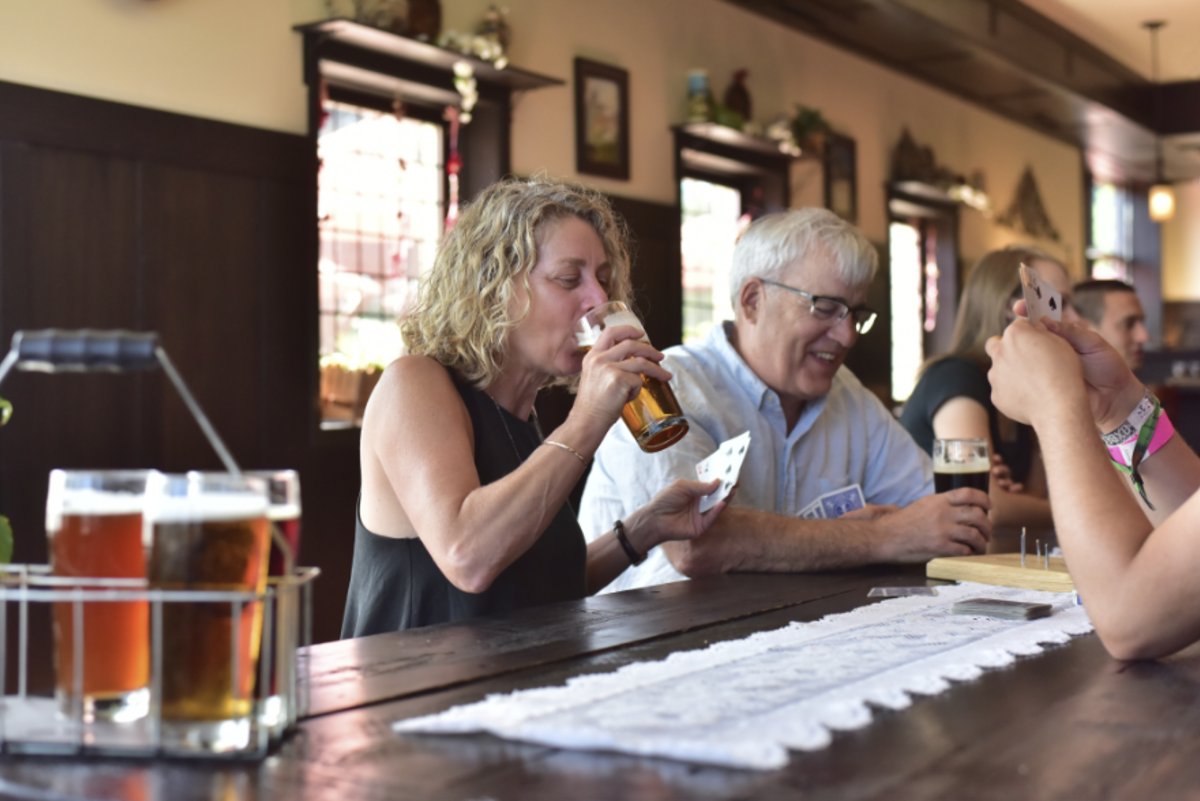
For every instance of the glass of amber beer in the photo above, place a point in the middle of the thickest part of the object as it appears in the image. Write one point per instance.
(207, 531)
(653, 417)
(94, 528)
(961, 463)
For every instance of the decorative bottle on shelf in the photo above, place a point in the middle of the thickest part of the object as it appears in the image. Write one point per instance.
(737, 97)
(425, 19)
(698, 109)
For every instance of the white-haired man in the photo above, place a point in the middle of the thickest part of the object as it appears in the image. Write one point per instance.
(798, 282)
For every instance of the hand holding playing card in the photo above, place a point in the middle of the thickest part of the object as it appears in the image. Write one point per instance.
(725, 463)
(674, 514)
(1034, 373)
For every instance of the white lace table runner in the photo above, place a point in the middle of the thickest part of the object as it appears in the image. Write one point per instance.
(744, 703)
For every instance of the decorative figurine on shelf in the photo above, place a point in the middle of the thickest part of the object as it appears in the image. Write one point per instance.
(494, 25)
(425, 19)
(489, 41)
(737, 97)
(698, 109)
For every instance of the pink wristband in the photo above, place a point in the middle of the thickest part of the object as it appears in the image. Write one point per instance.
(1163, 431)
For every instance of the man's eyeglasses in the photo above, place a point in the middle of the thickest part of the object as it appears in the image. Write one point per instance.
(831, 310)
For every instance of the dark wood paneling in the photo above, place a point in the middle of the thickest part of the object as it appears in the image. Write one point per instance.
(72, 122)
(113, 216)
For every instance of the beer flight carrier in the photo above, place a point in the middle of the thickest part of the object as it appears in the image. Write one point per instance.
(189, 665)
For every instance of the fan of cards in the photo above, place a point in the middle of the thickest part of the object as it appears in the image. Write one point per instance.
(1040, 298)
(724, 463)
(833, 505)
(996, 607)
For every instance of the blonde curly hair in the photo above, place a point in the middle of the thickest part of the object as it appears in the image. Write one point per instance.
(461, 318)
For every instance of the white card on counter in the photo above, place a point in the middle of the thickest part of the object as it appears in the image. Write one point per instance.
(1041, 300)
(724, 463)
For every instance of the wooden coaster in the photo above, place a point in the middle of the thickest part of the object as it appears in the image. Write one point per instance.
(1004, 569)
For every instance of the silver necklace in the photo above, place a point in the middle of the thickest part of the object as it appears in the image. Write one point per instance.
(513, 442)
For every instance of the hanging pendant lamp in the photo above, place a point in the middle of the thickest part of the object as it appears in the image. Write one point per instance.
(1162, 194)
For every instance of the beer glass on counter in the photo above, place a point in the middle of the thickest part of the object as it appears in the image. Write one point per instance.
(653, 417)
(961, 463)
(208, 532)
(101, 648)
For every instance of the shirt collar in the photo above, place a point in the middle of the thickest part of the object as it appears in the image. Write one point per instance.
(754, 386)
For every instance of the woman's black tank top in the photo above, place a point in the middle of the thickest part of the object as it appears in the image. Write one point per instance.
(395, 584)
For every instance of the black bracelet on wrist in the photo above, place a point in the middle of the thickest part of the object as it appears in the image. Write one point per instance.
(635, 558)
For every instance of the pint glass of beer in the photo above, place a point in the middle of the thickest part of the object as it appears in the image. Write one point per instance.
(94, 527)
(208, 532)
(654, 417)
(960, 463)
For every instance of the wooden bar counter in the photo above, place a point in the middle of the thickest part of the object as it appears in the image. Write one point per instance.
(1070, 723)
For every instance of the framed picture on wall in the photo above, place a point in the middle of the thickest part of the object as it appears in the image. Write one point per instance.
(601, 119)
(841, 177)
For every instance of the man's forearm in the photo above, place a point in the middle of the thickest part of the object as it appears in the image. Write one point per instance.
(752, 541)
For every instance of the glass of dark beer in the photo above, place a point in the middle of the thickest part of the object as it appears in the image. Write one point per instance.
(961, 463)
(208, 531)
(94, 528)
(653, 417)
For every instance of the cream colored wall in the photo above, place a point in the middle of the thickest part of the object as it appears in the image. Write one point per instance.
(239, 61)
(231, 60)
(659, 40)
(1181, 246)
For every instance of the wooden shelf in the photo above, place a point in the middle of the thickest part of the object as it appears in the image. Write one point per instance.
(374, 40)
(731, 137)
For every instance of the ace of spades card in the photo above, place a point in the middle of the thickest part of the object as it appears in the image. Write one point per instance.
(1041, 300)
(724, 463)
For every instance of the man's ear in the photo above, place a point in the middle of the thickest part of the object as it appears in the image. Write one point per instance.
(750, 299)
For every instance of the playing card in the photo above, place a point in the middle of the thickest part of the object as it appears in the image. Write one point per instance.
(1041, 300)
(813, 511)
(837, 503)
(895, 592)
(724, 463)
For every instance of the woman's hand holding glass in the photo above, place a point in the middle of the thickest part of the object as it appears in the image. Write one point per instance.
(612, 374)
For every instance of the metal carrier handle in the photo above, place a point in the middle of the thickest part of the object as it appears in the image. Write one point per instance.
(86, 350)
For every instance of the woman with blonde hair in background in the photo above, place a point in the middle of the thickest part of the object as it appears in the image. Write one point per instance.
(952, 399)
(463, 509)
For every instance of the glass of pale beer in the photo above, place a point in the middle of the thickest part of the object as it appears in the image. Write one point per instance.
(961, 463)
(208, 531)
(653, 417)
(94, 529)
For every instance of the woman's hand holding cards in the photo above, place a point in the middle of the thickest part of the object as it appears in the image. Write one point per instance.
(1033, 372)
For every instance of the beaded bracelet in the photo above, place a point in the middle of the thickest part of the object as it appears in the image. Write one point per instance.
(635, 558)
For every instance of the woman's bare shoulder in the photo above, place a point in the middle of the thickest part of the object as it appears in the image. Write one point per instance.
(418, 385)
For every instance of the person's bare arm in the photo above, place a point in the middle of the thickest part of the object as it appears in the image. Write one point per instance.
(1172, 474)
(966, 418)
(747, 540)
(416, 435)
(1137, 582)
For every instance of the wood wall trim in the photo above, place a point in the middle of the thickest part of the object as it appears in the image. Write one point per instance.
(58, 119)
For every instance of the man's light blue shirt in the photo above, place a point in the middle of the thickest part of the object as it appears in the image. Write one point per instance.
(846, 437)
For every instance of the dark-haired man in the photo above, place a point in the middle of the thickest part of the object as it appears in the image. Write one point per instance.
(1112, 309)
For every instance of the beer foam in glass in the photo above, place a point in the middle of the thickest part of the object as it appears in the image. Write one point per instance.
(94, 529)
(961, 463)
(208, 532)
(653, 416)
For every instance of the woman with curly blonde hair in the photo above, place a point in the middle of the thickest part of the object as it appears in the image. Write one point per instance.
(464, 509)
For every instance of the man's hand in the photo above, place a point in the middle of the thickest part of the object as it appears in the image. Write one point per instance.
(951, 523)
(870, 512)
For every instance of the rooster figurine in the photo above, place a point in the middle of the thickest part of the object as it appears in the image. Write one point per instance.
(737, 98)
